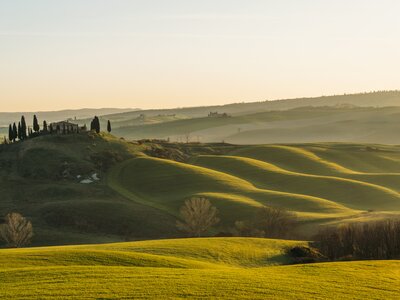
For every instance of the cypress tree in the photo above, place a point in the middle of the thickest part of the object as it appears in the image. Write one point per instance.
(10, 133)
(97, 124)
(19, 131)
(23, 128)
(36, 126)
(15, 133)
(45, 129)
(109, 126)
(63, 130)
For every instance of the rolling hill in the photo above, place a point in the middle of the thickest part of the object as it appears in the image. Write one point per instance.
(222, 268)
(299, 125)
(361, 118)
(91, 188)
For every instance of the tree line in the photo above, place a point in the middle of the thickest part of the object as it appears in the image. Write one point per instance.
(19, 131)
(371, 240)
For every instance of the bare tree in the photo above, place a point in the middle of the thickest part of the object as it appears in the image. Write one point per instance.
(269, 222)
(17, 231)
(371, 240)
(198, 216)
(275, 222)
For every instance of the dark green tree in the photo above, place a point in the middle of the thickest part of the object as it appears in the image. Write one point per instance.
(10, 133)
(19, 131)
(109, 126)
(36, 126)
(23, 128)
(95, 124)
(15, 132)
(45, 128)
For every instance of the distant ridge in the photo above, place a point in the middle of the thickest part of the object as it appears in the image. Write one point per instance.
(8, 117)
(370, 99)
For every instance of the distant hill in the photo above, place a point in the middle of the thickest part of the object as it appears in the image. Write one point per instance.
(299, 125)
(366, 118)
(374, 99)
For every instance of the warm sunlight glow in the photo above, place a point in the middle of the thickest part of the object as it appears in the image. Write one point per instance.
(70, 54)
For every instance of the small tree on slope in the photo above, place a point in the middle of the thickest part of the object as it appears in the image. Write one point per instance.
(17, 230)
(198, 216)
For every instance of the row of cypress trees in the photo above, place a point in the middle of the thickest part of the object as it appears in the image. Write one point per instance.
(21, 132)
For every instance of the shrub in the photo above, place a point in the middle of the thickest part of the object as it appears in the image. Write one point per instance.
(303, 254)
(17, 230)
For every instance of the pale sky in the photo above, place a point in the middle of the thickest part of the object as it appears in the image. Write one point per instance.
(159, 53)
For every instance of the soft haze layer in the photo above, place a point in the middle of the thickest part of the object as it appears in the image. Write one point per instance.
(130, 53)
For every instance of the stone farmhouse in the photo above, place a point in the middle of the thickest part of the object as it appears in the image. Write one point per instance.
(66, 127)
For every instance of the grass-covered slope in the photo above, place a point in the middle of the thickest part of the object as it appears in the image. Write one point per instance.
(313, 180)
(138, 194)
(166, 184)
(363, 195)
(41, 178)
(224, 268)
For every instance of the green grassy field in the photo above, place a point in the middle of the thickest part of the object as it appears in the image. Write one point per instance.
(225, 268)
(138, 196)
(320, 182)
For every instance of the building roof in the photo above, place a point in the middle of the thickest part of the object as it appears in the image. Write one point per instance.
(64, 122)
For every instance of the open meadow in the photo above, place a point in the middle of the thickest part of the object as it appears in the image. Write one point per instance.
(223, 268)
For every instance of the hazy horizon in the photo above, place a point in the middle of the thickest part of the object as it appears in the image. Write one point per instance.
(69, 55)
(192, 106)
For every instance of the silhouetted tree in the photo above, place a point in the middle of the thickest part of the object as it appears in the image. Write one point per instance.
(109, 126)
(96, 124)
(15, 132)
(19, 133)
(36, 127)
(23, 128)
(10, 133)
(45, 128)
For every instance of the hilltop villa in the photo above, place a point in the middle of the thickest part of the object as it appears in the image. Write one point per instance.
(59, 127)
